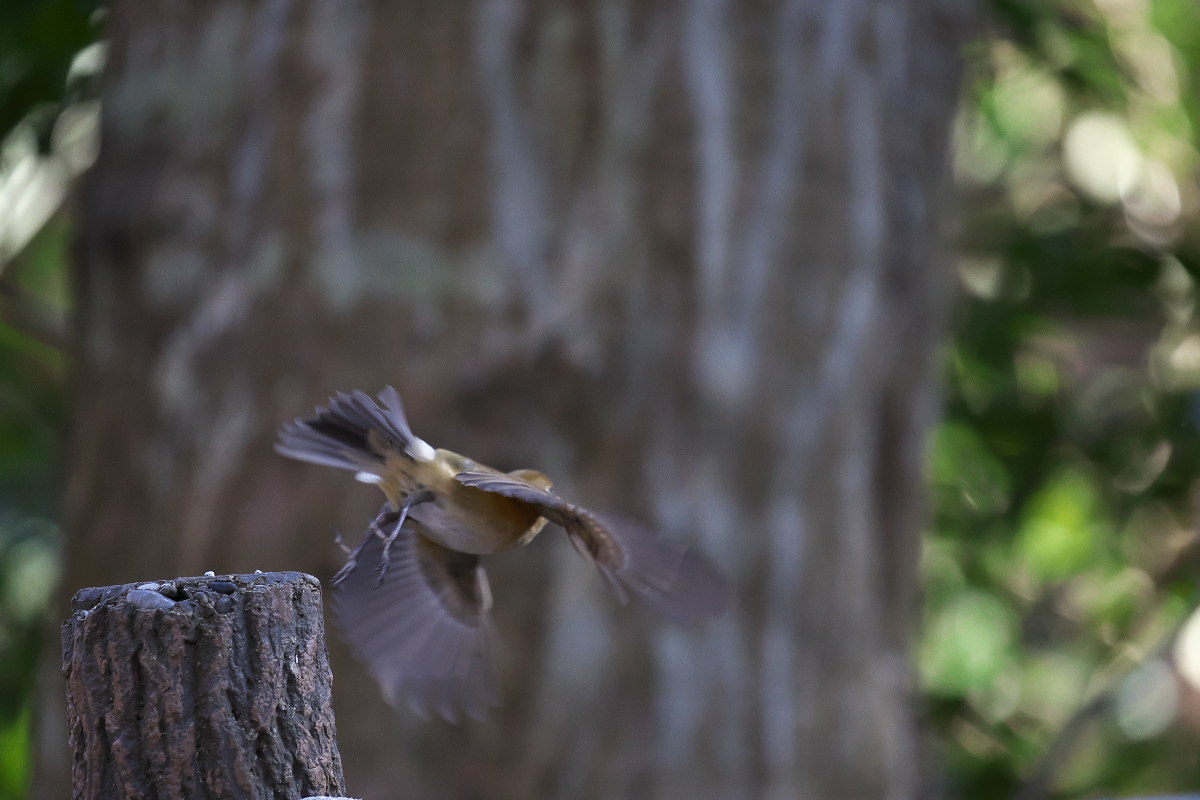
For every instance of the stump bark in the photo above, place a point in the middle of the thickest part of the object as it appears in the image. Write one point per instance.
(206, 687)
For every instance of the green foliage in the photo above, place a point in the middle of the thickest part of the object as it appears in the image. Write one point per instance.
(32, 416)
(39, 42)
(1065, 471)
(29, 566)
(968, 643)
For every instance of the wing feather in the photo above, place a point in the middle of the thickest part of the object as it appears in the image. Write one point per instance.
(425, 632)
(676, 582)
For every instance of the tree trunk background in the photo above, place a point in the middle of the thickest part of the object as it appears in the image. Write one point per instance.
(683, 257)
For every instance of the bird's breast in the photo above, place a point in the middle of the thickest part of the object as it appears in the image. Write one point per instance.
(470, 520)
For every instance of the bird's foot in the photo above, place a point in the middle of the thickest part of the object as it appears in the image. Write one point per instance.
(375, 529)
(387, 551)
(413, 499)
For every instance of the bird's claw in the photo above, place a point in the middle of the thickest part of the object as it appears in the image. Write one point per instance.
(387, 555)
(352, 555)
(413, 499)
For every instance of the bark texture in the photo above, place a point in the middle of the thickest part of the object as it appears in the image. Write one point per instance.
(682, 257)
(201, 688)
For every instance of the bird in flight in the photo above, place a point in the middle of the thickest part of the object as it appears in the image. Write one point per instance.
(413, 600)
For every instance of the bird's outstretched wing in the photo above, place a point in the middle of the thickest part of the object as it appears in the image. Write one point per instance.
(679, 584)
(424, 631)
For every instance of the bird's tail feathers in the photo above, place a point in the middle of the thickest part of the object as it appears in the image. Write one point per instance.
(353, 432)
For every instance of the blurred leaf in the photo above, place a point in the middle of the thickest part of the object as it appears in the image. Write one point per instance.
(1110, 597)
(38, 40)
(968, 643)
(1052, 686)
(15, 764)
(31, 574)
(963, 464)
(1063, 527)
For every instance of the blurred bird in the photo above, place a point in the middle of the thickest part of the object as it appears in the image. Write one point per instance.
(418, 615)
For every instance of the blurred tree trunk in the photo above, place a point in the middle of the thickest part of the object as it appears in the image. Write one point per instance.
(683, 257)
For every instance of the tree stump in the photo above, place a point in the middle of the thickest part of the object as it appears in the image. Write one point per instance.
(208, 687)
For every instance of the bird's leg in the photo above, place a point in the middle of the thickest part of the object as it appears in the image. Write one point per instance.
(423, 496)
(374, 529)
